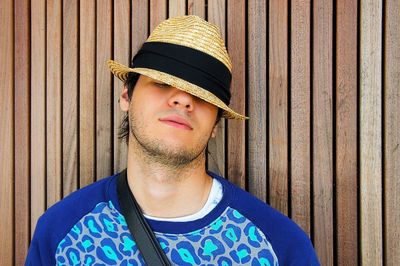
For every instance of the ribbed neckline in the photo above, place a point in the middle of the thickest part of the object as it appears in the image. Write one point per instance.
(167, 227)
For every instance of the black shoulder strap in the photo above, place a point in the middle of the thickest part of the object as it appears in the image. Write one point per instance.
(140, 230)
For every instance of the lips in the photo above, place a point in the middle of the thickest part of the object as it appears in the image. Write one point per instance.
(176, 121)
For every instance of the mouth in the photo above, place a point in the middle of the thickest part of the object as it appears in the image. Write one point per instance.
(176, 121)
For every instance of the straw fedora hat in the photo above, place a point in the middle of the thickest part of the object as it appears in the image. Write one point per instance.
(187, 53)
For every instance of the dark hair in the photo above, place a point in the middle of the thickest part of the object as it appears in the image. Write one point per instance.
(130, 84)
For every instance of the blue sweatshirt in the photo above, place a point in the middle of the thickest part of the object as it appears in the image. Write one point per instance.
(87, 228)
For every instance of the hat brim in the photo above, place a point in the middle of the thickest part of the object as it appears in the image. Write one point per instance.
(121, 71)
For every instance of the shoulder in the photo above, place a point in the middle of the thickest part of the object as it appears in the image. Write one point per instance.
(290, 243)
(58, 220)
(66, 212)
(77, 204)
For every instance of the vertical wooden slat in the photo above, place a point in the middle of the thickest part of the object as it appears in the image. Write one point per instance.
(371, 132)
(346, 133)
(216, 146)
(38, 110)
(121, 54)
(177, 8)
(139, 24)
(36, 106)
(322, 130)
(139, 31)
(70, 96)
(87, 101)
(104, 101)
(392, 133)
(278, 105)
(257, 91)
(236, 128)
(197, 7)
(53, 103)
(300, 113)
(6, 133)
(158, 12)
(22, 130)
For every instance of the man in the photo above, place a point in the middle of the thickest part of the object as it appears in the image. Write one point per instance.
(176, 90)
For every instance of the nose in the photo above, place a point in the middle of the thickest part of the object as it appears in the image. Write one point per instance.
(181, 99)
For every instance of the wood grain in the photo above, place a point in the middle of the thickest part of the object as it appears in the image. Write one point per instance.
(6, 133)
(300, 113)
(158, 12)
(87, 91)
(236, 129)
(104, 100)
(197, 7)
(216, 146)
(176, 8)
(322, 153)
(22, 129)
(38, 86)
(257, 98)
(371, 132)
(53, 102)
(392, 133)
(140, 29)
(38, 111)
(346, 133)
(122, 48)
(70, 84)
(278, 105)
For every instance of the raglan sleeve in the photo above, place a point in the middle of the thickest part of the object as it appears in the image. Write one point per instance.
(33, 257)
(40, 250)
(313, 259)
(290, 243)
(302, 254)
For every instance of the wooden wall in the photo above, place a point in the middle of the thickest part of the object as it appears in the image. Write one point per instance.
(319, 79)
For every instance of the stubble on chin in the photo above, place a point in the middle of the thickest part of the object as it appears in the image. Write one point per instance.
(156, 151)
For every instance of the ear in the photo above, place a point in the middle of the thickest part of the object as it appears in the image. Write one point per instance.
(124, 100)
(214, 132)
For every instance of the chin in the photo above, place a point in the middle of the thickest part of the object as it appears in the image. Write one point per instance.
(177, 144)
(179, 138)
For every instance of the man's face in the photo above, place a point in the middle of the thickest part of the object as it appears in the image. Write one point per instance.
(170, 125)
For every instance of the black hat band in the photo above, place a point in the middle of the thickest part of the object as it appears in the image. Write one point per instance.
(188, 64)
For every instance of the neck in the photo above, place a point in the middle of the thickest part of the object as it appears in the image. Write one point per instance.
(167, 191)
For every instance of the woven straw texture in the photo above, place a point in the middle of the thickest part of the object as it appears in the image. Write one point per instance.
(193, 32)
(196, 33)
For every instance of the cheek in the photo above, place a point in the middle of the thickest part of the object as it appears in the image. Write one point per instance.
(149, 102)
(208, 114)
(208, 124)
